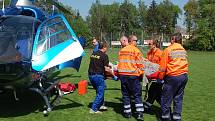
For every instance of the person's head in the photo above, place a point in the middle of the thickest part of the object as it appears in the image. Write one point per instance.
(153, 44)
(132, 39)
(176, 38)
(103, 47)
(94, 41)
(124, 41)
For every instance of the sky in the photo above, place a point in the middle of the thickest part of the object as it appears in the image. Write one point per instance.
(84, 5)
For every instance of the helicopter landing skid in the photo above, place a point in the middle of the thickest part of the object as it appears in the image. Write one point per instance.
(51, 95)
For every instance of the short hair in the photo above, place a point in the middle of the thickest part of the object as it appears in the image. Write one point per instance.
(94, 38)
(102, 45)
(156, 43)
(130, 38)
(124, 37)
(178, 37)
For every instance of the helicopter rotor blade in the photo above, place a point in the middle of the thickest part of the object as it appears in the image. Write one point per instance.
(59, 6)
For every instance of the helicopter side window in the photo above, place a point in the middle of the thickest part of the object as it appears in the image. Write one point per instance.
(28, 13)
(52, 33)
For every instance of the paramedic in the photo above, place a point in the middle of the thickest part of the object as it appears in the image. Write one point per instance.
(130, 67)
(174, 69)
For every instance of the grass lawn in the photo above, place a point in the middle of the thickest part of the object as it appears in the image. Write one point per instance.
(198, 102)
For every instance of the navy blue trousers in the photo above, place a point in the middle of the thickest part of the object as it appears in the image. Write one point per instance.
(173, 91)
(98, 83)
(131, 86)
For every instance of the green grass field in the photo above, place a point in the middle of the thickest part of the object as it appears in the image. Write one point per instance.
(198, 100)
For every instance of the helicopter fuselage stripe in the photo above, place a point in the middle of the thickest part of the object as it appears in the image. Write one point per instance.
(71, 52)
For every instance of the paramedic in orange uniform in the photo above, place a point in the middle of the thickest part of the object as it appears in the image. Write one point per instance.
(174, 70)
(154, 93)
(130, 67)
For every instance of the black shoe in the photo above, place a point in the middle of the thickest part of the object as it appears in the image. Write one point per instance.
(176, 119)
(165, 119)
(140, 117)
(127, 115)
(89, 84)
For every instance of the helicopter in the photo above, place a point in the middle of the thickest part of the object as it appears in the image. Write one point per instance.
(33, 44)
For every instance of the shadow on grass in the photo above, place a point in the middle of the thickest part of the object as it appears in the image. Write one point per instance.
(117, 107)
(29, 102)
(90, 87)
(73, 104)
(155, 110)
(56, 76)
(65, 76)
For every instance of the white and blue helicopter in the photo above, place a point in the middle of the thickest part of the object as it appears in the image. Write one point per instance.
(33, 44)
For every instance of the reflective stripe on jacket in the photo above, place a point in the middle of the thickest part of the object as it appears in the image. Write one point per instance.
(130, 61)
(174, 61)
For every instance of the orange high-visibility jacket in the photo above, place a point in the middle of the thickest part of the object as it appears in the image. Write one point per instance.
(154, 55)
(174, 61)
(130, 61)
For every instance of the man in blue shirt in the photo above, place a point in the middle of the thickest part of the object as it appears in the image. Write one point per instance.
(95, 44)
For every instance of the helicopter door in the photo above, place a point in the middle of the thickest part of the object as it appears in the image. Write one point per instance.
(55, 43)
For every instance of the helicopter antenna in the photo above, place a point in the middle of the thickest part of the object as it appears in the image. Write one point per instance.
(3, 10)
(53, 9)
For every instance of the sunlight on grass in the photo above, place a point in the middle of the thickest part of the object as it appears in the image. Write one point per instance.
(198, 100)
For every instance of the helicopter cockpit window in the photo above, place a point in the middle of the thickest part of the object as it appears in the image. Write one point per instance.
(16, 37)
(52, 33)
(28, 13)
(23, 43)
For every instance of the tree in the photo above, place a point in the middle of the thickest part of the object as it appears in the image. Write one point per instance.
(202, 14)
(78, 24)
(142, 12)
(152, 18)
(94, 19)
(128, 16)
(103, 20)
(168, 15)
(111, 21)
(191, 13)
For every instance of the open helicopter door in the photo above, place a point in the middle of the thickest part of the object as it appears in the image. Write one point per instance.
(55, 43)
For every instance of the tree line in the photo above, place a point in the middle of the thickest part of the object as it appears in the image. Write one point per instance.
(200, 22)
(109, 22)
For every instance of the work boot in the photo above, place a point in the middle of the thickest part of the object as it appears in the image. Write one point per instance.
(127, 115)
(140, 117)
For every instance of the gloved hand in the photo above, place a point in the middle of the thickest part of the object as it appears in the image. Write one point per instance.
(159, 81)
(115, 78)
